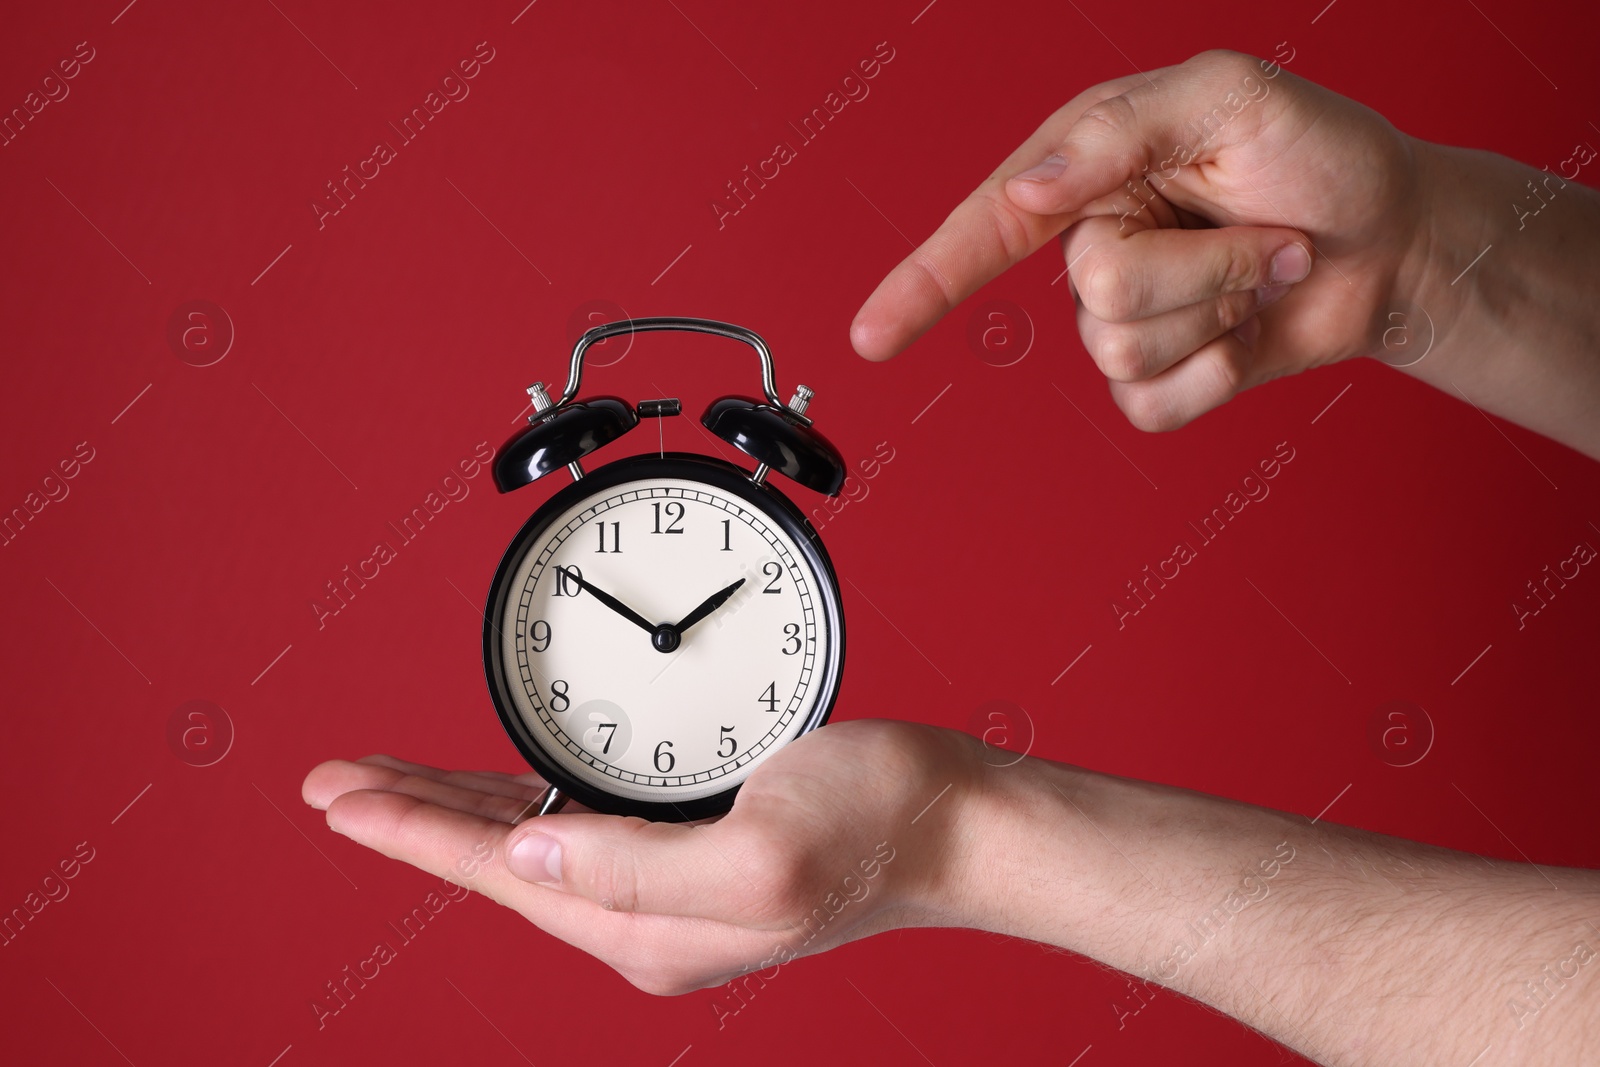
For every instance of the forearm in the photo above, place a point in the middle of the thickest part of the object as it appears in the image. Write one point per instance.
(1353, 948)
(1518, 331)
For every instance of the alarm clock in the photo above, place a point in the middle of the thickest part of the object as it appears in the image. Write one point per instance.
(666, 622)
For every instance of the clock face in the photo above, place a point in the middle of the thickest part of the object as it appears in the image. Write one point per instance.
(660, 628)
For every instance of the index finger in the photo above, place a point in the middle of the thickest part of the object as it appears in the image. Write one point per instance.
(982, 238)
(1092, 149)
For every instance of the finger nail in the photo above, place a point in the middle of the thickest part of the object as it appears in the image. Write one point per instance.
(1270, 295)
(1290, 264)
(535, 858)
(1047, 171)
(1247, 331)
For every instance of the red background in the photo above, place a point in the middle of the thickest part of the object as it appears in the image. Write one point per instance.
(373, 354)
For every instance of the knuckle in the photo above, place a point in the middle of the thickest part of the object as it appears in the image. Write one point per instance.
(1213, 380)
(1241, 269)
(937, 283)
(1149, 409)
(1120, 355)
(1230, 309)
(1112, 117)
(1010, 232)
(613, 875)
(412, 821)
(1227, 378)
(1225, 61)
(1107, 290)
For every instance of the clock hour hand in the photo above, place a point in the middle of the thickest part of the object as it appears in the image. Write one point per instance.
(712, 603)
(608, 600)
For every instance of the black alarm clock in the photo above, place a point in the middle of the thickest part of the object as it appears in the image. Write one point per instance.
(666, 622)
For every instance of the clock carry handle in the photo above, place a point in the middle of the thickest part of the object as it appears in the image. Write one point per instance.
(778, 436)
(769, 384)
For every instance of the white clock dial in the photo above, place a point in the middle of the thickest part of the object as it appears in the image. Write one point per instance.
(590, 684)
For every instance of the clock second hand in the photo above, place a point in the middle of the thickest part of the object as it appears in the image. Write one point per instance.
(608, 600)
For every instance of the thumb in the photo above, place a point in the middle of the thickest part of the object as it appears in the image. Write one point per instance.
(1128, 274)
(982, 238)
(1149, 127)
(631, 865)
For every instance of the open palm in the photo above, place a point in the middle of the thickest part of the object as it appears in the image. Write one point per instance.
(824, 845)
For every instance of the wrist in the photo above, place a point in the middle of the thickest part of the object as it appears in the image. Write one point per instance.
(1500, 269)
(1041, 858)
(1452, 228)
(1119, 869)
(941, 822)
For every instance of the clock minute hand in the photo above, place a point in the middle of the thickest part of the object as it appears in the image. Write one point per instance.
(609, 601)
(712, 603)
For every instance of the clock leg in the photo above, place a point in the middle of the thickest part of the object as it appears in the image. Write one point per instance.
(554, 800)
